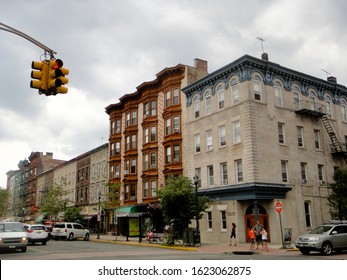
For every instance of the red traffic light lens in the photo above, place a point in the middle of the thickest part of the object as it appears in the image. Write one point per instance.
(57, 64)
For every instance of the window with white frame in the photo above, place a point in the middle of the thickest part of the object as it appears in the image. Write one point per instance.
(168, 155)
(209, 144)
(133, 118)
(224, 173)
(328, 106)
(145, 162)
(278, 94)
(133, 166)
(321, 174)
(284, 170)
(153, 108)
(118, 123)
(307, 209)
(167, 99)
(208, 103)
(176, 96)
(196, 107)
(313, 100)
(176, 124)
(281, 136)
(300, 135)
(168, 126)
(153, 160)
(234, 91)
(344, 110)
(146, 135)
(209, 220)
(145, 110)
(303, 167)
(133, 141)
(153, 188)
(222, 137)
(177, 153)
(145, 189)
(220, 94)
(197, 143)
(316, 139)
(257, 88)
(236, 132)
(223, 220)
(153, 137)
(210, 178)
(238, 171)
(297, 102)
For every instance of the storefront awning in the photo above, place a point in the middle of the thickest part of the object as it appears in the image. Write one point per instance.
(41, 217)
(125, 211)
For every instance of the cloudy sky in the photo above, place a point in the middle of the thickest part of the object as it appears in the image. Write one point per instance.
(113, 46)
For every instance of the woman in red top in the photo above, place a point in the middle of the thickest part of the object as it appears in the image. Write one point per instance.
(251, 237)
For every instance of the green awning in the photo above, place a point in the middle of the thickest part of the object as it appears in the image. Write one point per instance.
(40, 218)
(125, 211)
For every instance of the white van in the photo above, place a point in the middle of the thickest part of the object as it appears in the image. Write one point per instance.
(13, 236)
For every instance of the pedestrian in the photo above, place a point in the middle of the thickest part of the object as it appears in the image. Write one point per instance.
(264, 240)
(251, 236)
(149, 236)
(233, 234)
(258, 229)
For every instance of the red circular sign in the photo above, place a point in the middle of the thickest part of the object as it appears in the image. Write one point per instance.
(278, 207)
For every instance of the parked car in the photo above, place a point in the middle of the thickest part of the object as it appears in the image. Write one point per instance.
(69, 231)
(324, 238)
(13, 236)
(37, 233)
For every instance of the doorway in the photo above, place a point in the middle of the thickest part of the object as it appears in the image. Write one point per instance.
(250, 221)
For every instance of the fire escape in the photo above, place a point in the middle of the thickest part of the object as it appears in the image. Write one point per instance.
(311, 109)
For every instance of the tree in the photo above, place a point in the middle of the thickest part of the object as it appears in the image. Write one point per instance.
(53, 203)
(337, 198)
(4, 197)
(72, 214)
(179, 203)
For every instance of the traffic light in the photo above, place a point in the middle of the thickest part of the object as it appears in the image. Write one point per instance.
(56, 77)
(41, 76)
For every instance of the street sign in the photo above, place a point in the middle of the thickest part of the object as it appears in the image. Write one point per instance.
(278, 207)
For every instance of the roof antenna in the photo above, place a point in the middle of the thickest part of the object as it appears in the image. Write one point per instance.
(326, 72)
(264, 55)
(261, 42)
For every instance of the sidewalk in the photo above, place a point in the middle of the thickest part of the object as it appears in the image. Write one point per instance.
(243, 248)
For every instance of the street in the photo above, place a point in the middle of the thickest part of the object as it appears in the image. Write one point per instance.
(91, 250)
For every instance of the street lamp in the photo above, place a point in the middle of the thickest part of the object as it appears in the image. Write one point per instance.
(99, 216)
(197, 233)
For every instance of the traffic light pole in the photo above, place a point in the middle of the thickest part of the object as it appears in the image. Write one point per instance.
(10, 29)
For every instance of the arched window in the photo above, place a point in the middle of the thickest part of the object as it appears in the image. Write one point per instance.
(278, 94)
(234, 91)
(196, 107)
(313, 100)
(257, 88)
(297, 96)
(220, 95)
(208, 101)
(344, 110)
(329, 105)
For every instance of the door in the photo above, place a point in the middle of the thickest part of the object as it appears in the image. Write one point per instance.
(250, 221)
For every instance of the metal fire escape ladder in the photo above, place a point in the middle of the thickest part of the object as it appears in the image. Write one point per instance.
(336, 145)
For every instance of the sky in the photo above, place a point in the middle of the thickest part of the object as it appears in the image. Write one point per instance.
(113, 46)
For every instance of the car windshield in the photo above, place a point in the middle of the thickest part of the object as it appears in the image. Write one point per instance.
(11, 227)
(321, 230)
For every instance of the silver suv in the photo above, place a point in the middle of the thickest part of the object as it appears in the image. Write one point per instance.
(69, 231)
(324, 238)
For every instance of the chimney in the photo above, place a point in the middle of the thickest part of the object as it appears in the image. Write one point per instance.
(265, 56)
(200, 64)
(332, 79)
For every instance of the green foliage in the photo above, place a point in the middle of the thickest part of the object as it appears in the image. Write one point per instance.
(72, 214)
(53, 203)
(4, 197)
(337, 198)
(179, 203)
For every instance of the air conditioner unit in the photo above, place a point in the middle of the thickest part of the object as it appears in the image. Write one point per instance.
(176, 130)
(132, 198)
(322, 182)
(304, 181)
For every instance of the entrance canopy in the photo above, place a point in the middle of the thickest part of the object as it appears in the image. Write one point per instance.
(126, 211)
(41, 217)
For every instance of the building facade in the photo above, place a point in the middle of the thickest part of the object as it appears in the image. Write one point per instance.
(258, 133)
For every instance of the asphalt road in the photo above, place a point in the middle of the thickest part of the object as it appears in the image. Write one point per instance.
(87, 250)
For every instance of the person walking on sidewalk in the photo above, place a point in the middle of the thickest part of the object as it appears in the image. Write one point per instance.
(258, 229)
(264, 240)
(233, 234)
(251, 236)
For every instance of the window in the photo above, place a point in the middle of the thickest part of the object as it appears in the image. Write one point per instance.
(210, 179)
(257, 88)
(167, 99)
(153, 134)
(145, 162)
(297, 102)
(284, 170)
(208, 101)
(209, 220)
(198, 173)
(127, 143)
(133, 142)
(176, 96)
(177, 153)
(117, 148)
(153, 108)
(238, 170)
(153, 188)
(321, 174)
(281, 133)
(145, 189)
(145, 110)
(146, 135)
(303, 167)
(133, 118)
(196, 107)
(220, 94)
(307, 207)
(168, 126)
(168, 155)
(209, 145)
(222, 138)
(127, 120)
(300, 135)
(197, 143)
(153, 158)
(344, 110)
(224, 173)
(223, 220)
(236, 132)
(133, 166)
(278, 94)
(234, 91)
(116, 171)
(317, 139)
(176, 124)
(328, 106)
(313, 99)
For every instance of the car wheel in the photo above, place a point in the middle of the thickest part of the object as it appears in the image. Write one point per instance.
(86, 237)
(71, 236)
(24, 249)
(327, 249)
(44, 242)
(304, 251)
